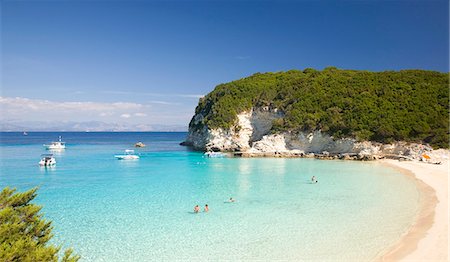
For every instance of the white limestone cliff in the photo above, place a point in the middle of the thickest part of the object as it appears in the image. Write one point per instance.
(251, 126)
(251, 136)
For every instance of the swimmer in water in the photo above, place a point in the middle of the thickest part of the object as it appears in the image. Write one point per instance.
(196, 209)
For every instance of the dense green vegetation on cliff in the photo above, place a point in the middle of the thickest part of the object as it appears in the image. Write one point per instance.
(409, 105)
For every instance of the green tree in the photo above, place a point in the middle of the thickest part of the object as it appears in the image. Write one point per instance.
(24, 234)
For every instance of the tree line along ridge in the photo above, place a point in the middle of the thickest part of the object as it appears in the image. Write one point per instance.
(406, 105)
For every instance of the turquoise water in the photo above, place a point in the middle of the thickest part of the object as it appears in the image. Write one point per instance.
(111, 210)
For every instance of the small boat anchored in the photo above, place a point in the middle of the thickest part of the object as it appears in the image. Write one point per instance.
(47, 160)
(56, 145)
(214, 154)
(129, 155)
(139, 144)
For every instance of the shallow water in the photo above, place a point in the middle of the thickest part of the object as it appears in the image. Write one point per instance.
(111, 210)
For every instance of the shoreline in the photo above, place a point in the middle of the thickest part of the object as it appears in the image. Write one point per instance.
(427, 237)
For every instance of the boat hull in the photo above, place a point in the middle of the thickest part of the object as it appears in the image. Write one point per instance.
(126, 157)
(47, 163)
(50, 147)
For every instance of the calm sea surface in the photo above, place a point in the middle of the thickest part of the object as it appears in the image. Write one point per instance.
(112, 210)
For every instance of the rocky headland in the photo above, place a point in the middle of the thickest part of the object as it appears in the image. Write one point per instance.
(251, 137)
(329, 114)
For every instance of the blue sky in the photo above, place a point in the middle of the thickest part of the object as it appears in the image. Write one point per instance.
(149, 61)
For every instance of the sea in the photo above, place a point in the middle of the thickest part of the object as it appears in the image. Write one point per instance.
(142, 210)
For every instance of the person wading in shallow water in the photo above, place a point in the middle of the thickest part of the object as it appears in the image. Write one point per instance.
(206, 208)
(196, 209)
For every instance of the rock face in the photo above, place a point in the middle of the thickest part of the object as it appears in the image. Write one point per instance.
(251, 137)
(252, 126)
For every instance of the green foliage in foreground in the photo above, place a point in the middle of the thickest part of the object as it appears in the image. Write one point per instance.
(408, 105)
(24, 234)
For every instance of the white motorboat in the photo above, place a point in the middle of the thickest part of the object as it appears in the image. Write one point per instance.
(47, 160)
(129, 155)
(56, 145)
(214, 154)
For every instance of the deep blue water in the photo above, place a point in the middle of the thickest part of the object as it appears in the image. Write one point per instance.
(165, 140)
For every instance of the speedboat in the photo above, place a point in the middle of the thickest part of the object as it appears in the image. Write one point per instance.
(214, 154)
(56, 145)
(129, 155)
(47, 160)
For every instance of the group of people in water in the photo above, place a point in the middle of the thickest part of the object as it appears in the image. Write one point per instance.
(231, 200)
(206, 209)
(197, 208)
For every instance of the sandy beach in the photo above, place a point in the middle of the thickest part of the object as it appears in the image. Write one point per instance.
(427, 239)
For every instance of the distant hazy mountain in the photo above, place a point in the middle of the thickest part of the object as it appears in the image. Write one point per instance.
(92, 126)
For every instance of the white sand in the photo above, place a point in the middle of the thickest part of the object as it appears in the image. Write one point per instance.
(427, 240)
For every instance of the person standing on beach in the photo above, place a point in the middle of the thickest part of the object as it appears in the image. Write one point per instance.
(196, 209)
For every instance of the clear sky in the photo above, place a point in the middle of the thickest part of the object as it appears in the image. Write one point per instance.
(149, 61)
